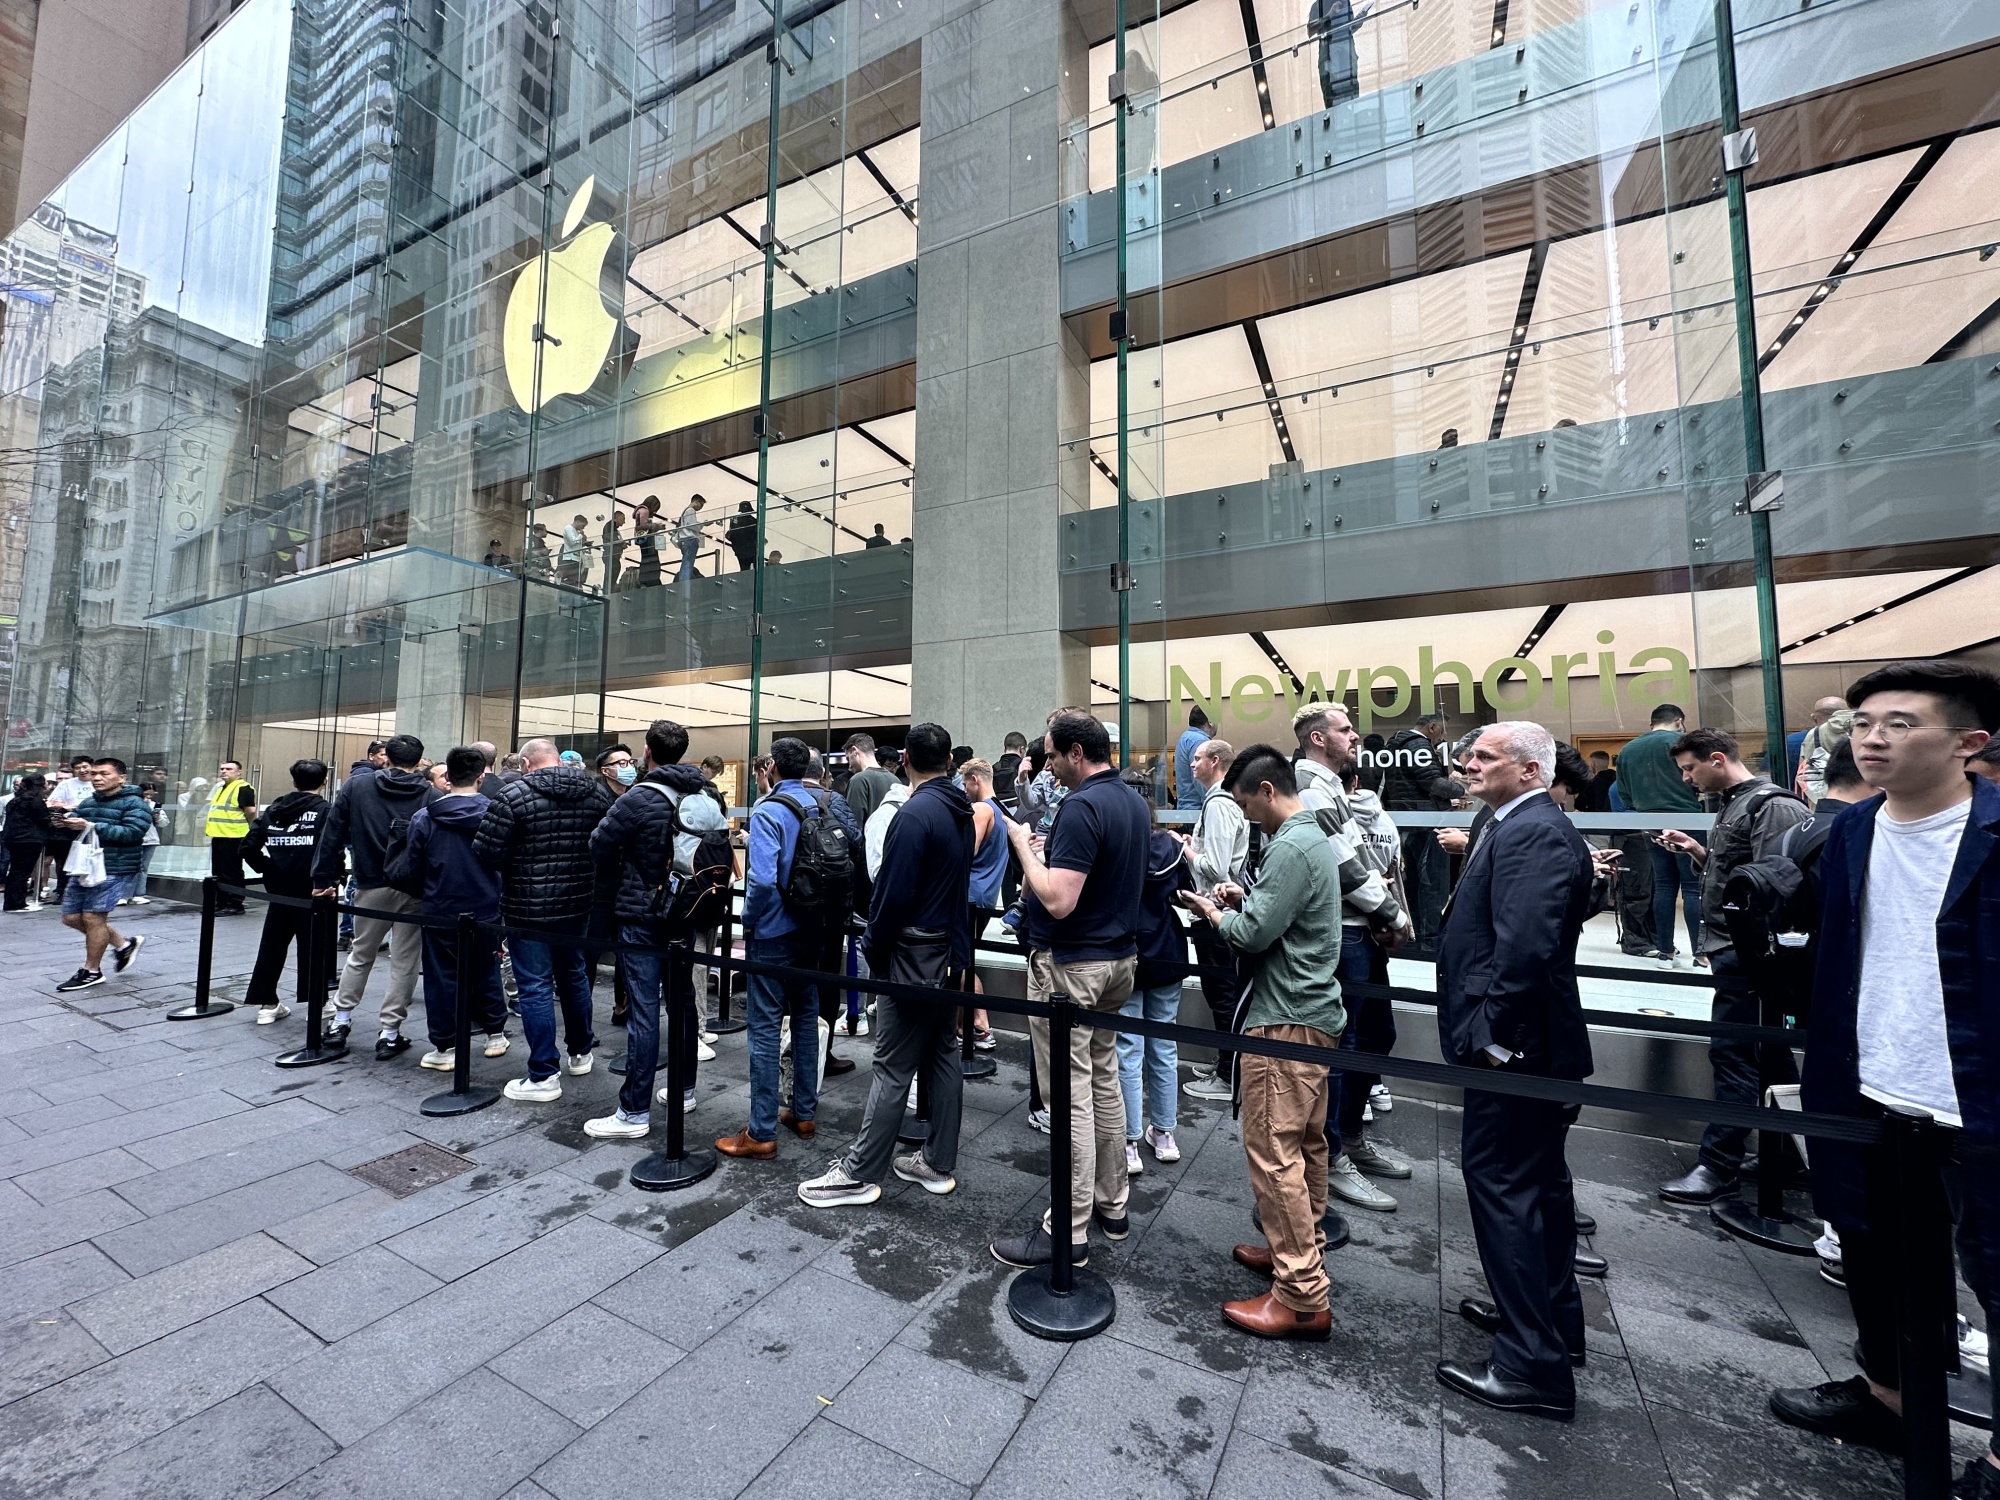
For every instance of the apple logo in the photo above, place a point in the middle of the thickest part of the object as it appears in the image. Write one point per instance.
(567, 318)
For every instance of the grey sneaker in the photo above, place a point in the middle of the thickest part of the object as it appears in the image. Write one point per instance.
(1038, 1119)
(834, 1188)
(914, 1168)
(1345, 1182)
(1378, 1161)
(1215, 1090)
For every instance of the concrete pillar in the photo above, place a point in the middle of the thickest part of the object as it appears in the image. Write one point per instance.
(998, 380)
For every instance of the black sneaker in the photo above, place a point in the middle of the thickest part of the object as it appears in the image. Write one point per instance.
(121, 958)
(82, 979)
(387, 1047)
(1980, 1481)
(1112, 1228)
(1843, 1409)
(1033, 1249)
(334, 1038)
(346, 943)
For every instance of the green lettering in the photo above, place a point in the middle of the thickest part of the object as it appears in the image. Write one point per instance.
(1676, 683)
(1399, 700)
(1177, 679)
(1490, 682)
(1427, 675)
(1253, 707)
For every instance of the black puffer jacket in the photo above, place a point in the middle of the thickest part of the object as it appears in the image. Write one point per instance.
(537, 835)
(1417, 776)
(634, 846)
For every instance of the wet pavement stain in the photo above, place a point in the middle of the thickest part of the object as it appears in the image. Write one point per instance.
(964, 1329)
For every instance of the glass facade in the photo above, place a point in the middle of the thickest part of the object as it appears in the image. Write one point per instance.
(1394, 353)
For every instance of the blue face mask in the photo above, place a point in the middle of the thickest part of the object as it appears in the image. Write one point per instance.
(628, 774)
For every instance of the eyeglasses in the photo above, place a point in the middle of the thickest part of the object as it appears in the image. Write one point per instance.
(1895, 727)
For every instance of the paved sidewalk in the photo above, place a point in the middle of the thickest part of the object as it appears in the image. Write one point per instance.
(198, 1299)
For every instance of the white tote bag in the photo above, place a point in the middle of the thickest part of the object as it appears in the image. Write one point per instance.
(85, 862)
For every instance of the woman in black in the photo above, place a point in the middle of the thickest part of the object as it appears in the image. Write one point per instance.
(647, 533)
(28, 826)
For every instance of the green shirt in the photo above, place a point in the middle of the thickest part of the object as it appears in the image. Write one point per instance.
(1291, 922)
(1648, 779)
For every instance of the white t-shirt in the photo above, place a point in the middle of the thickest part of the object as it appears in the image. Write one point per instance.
(1905, 1053)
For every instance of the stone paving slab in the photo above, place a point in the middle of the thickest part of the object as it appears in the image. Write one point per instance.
(198, 1300)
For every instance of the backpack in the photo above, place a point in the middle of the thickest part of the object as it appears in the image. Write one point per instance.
(819, 890)
(1816, 749)
(695, 894)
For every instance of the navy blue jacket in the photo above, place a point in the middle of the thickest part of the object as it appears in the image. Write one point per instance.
(1968, 943)
(1163, 952)
(1507, 951)
(926, 862)
(434, 858)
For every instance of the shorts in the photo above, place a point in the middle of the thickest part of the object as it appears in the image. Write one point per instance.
(79, 898)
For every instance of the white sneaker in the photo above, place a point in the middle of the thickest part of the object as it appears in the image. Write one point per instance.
(1038, 1119)
(1213, 1089)
(1345, 1182)
(270, 1015)
(497, 1043)
(688, 1100)
(1165, 1147)
(703, 1052)
(32, 906)
(834, 1188)
(1380, 1100)
(706, 1038)
(1973, 1346)
(444, 1059)
(142, 900)
(913, 1168)
(578, 1063)
(1134, 1162)
(1367, 1114)
(538, 1091)
(617, 1126)
(861, 1024)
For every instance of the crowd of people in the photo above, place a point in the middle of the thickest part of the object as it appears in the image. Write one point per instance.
(1283, 899)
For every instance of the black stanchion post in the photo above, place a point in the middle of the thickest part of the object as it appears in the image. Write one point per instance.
(204, 965)
(1766, 1222)
(676, 1167)
(1926, 1292)
(316, 949)
(472, 959)
(723, 1024)
(1067, 1301)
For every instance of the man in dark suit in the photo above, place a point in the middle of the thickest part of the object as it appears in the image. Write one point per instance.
(1507, 999)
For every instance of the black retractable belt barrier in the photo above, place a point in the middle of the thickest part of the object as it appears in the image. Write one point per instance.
(317, 945)
(724, 1024)
(204, 1007)
(463, 1098)
(1065, 1301)
(677, 1166)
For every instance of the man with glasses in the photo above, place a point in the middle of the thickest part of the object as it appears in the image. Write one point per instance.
(1906, 1015)
(1754, 819)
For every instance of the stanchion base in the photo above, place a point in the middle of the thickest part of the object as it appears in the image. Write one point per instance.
(725, 1028)
(1783, 1234)
(196, 1013)
(444, 1106)
(1086, 1310)
(307, 1057)
(661, 1173)
(979, 1065)
(617, 1067)
(913, 1132)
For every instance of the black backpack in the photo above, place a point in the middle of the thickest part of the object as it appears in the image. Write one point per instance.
(701, 899)
(819, 890)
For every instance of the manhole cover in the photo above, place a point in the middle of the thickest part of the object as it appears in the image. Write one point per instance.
(412, 1169)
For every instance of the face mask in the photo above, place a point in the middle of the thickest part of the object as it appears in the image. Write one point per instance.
(628, 774)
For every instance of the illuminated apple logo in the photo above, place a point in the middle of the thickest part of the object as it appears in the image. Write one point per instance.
(567, 318)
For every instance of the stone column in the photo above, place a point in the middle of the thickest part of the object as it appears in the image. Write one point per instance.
(998, 380)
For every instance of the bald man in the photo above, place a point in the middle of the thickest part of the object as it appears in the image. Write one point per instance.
(1829, 728)
(490, 783)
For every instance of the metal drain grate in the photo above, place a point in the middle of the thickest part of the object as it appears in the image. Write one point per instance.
(411, 1170)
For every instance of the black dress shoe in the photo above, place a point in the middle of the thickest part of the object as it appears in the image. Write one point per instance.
(1588, 1264)
(835, 1066)
(1483, 1384)
(1112, 1228)
(1703, 1185)
(1484, 1316)
(1844, 1409)
(1584, 1223)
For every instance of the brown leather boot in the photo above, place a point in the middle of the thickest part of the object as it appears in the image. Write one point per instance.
(1253, 1258)
(745, 1144)
(803, 1129)
(1269, 1318)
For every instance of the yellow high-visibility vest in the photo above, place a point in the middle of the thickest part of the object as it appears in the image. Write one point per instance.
(225, 812)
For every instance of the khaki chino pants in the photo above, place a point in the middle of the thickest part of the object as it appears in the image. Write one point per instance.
(405, 954)
(1097, 1099)
(1284, 1136)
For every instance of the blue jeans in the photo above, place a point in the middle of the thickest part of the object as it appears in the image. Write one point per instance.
(1674, 873)
(1353, 968)
(645, 974)
(689, 551)
(1161, 1059)
(544, 972)
(770, 1001)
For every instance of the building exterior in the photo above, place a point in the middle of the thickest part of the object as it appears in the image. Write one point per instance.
(1434, 348)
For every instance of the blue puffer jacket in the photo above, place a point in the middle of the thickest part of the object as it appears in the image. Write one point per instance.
(121, 818)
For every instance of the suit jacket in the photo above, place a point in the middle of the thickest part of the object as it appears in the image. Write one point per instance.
(1968, 943)
(1507, 950)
